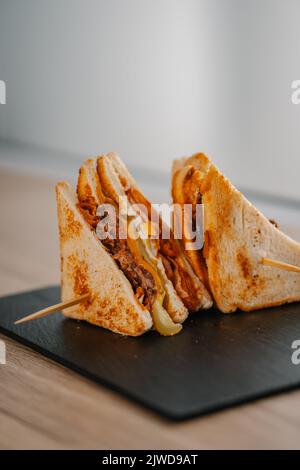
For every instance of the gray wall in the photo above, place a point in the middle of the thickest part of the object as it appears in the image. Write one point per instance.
(157, 79)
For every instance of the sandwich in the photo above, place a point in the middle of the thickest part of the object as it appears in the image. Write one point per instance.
(134, 283)
(237, 237)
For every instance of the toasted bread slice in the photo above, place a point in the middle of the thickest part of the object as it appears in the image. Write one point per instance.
(181, 174)
(237, 237)
(121, 169)
(86, 267)
(88, 186)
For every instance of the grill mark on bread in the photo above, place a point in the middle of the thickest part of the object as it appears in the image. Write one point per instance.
(79, 269)
(244, 263)
(254, 282)
(71, 229)
(113, 313)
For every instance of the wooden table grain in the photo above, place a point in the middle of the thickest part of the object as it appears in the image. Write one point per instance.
(43, 405)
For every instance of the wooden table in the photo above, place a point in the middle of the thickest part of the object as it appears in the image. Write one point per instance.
(46, 406)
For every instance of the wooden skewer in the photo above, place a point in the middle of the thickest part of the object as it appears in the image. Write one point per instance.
(52, 309)
(280, 265)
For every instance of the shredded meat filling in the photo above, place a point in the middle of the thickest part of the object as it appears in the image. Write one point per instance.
(140, 279)
(138, 276)
(88, 210)
(273, 222)
(185, 288)
(182, 282)
(169, 252)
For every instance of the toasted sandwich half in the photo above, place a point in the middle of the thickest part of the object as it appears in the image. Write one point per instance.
(129, 289)
(87, 267)
(237, 238)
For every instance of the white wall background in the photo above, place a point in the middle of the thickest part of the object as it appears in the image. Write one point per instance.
(157, 79)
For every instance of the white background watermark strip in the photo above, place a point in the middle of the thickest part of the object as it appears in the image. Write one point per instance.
(2, 352)
(2, 92)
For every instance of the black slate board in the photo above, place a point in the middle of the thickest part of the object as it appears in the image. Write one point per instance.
(217, 361)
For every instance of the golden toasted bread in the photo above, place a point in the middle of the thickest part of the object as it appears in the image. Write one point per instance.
(237, 237)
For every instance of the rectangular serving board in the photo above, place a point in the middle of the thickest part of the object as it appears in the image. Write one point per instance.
(217, 360)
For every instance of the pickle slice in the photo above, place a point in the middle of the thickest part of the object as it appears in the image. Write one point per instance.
(162, 320)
